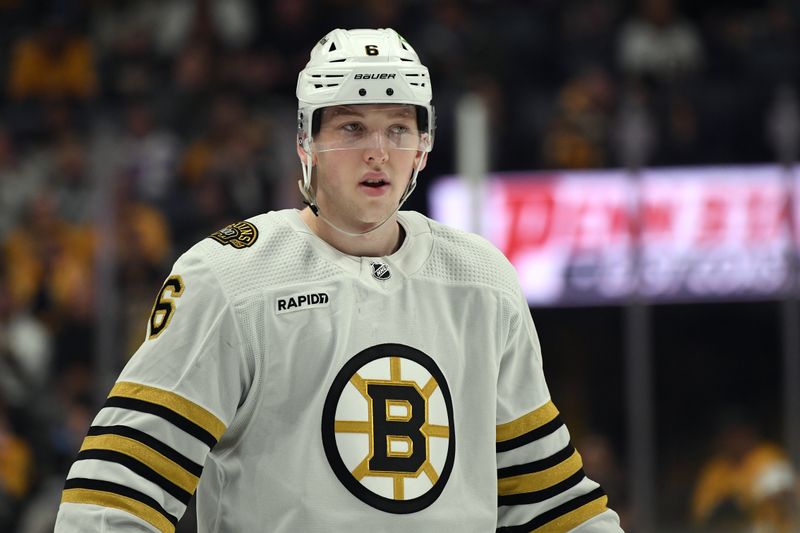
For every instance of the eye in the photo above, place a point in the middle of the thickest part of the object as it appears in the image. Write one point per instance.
(398, 129)
(351, 127)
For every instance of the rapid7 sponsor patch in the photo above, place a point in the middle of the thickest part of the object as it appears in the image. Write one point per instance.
(300, 302)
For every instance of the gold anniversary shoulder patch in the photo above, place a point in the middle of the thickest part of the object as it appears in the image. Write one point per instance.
(239, 235)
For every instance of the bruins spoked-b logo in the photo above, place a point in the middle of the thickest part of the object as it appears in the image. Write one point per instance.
(387, 428)
(239, 235)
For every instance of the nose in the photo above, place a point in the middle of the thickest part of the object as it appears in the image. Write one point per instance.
(377, 151)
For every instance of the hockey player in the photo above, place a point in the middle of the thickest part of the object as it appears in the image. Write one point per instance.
(347, 367)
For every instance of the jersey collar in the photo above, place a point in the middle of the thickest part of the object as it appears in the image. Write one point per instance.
(408, 259)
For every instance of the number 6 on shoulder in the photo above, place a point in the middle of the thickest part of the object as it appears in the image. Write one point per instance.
(165, 305)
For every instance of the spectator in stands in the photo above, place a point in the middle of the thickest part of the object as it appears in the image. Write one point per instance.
(602, 464)
(224, 168)
(123, 34)
(286, 25)
(20, 179)
(47, 258)
(658, 44)
(25, 351)
(140, 265)
(748, 483)
(447, 35)
(226, 115)
(149, 155)
(229, 24)
(69, 419)
(53, 64)
(15, 470)
(69, 181)
(772, 54)
(586, 34)
(578, 134)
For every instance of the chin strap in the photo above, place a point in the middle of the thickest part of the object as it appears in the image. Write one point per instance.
(310, 198)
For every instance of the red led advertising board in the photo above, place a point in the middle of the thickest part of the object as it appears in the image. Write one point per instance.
(704, 233)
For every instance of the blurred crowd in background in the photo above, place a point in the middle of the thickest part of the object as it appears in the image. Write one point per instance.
(130, 129)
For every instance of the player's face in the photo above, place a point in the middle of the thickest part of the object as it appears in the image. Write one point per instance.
(364, 157)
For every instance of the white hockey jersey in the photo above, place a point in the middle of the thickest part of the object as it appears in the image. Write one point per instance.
(298, 389)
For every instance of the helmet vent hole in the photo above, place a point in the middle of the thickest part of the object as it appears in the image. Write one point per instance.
(332, 48)
(362, 92)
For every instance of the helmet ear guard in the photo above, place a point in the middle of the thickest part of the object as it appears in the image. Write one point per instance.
(362, 66)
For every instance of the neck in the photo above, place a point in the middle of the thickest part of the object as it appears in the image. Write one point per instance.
(382, 242)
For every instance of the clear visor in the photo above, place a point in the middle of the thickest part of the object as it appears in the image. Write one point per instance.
(356, 127)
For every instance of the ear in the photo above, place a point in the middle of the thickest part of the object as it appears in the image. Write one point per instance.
(303, 155)
(424, 158)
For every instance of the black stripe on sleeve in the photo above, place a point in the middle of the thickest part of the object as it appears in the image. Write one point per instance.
(167, 414)
(151, 442)
(554, 513)
(134, 465)
(544, 494)
(122, 490)
(538, 433)
(537, 466)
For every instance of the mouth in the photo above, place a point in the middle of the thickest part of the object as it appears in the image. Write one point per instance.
(375, 182)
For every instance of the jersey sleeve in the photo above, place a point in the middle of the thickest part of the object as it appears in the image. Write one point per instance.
(540, 479)
(143, 456)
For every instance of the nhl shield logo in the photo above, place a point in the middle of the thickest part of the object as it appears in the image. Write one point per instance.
(239, 235)
(380, 270)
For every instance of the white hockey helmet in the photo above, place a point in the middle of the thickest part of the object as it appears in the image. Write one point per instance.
(362, 66)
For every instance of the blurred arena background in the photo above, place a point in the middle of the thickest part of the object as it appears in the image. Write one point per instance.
(131, 129)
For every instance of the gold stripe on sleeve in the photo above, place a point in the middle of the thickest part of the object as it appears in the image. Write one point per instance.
(146, 455)
(572, 519)
(536, 481)
(123, 503)
(527, 423)
(172, 401)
